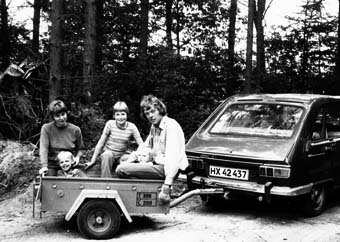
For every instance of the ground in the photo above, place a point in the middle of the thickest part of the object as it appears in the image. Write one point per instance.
(192, 220)
(18, 166)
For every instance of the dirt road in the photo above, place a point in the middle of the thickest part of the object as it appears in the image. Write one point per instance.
(189, 221)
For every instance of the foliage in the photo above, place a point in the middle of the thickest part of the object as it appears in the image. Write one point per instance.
(19, 119)
(90, 120)
(302, 54)
(300, 57)
(22, 101)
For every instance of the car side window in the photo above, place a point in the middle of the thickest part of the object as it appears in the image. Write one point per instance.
(327, 122)
(332, 120)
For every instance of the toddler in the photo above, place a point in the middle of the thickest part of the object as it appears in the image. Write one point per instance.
(66, 161)
(142, 155)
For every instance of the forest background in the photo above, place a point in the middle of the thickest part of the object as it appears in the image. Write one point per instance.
(96, 52)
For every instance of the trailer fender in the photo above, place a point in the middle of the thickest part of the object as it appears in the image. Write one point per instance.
(101, 194)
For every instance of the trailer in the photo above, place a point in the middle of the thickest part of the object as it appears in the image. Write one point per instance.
(98, 204)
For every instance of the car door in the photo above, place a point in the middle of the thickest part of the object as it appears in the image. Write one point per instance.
(332, 130)
(319, 158)
(323, 156)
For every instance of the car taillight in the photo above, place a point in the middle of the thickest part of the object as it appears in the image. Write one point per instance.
(196, 163)
(276, 172)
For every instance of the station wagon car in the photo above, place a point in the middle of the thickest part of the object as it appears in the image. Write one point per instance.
(270, 145)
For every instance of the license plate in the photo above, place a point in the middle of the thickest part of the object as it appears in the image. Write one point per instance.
(146, 199)
(225, 172)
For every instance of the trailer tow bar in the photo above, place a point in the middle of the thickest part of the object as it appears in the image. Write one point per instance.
(191, 193)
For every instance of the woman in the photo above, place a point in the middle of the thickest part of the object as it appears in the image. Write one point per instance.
(58, 135)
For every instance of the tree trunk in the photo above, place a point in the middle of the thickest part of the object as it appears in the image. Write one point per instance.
(36, 26)
(178, 46)
(5, 43)
(260, 59)
(231, 32)
(89, 58)
(168, 20)
(305, 50)
(249, 52)
(100, 37)
(56, 52)
(337, 65)
(144, 30)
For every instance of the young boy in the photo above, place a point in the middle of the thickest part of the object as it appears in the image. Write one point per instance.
(142, 155)
(66, 160)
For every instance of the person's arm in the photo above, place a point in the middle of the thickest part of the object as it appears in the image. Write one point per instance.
(132, 157)
(174, 150)
(79, 147)
(137, 136)
(77, 157)
(171, 156)
(147, 142)
(43, 149)
(139, 141)
(97, 150)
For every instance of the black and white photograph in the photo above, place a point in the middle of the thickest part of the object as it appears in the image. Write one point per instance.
(170, 120)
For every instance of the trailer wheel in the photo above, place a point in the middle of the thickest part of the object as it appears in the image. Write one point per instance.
(314, 202)
(98, 219)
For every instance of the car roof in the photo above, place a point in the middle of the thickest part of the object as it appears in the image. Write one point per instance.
(285, 97)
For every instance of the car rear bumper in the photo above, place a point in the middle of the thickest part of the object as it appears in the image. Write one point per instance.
(247, 186)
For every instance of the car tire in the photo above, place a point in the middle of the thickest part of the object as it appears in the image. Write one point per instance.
(99, 219)
(314, 202)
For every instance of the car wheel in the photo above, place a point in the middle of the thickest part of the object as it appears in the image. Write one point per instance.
(98, 219)
(314, 202)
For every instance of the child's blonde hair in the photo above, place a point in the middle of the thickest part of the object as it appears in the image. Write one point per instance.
(120, 106)
(64, 155)
(145, 150)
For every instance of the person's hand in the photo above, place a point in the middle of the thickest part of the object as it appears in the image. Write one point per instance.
(164, 195)
(43, 171)
(76, 161)
(125, 158)
(75, 172)
(88, 165)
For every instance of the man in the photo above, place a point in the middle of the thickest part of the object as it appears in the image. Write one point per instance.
(166, 139)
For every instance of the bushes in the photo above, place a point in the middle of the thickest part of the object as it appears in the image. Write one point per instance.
(21, 117)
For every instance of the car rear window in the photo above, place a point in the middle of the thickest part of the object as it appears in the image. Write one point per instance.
(258, 119)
